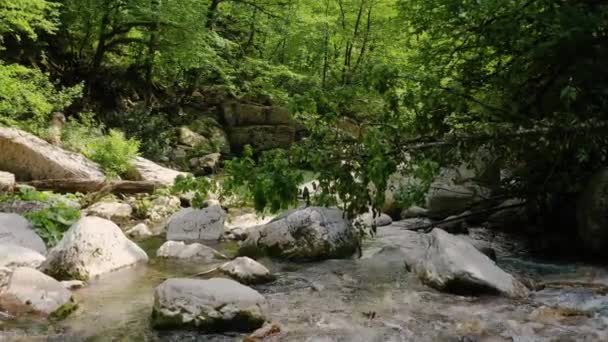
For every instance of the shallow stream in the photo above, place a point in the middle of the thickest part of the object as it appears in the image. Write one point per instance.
(367, 299)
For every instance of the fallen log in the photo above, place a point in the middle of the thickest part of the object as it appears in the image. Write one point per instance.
(95, 185)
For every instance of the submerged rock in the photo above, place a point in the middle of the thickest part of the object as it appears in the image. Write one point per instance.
(195, 251)
(247, 271)
(13, 256)
(214, 305)
(454, 265)
(313, 233)
(15, 229)
(28, 291)
(197, 224)
(91, 247)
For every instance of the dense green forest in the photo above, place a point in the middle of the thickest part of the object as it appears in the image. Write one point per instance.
(373, 85)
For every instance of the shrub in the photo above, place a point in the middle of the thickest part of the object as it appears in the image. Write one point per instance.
(114, 153)
(199, 187)
(50, 223)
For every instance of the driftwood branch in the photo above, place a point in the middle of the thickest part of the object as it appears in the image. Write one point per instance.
(94, 185)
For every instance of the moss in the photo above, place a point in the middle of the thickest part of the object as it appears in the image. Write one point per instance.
(244, 321)
(65, 310)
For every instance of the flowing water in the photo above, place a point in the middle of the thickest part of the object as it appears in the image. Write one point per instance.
(367, 299)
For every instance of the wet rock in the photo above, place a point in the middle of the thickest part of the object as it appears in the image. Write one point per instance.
(247, 271)
(31, 158)
(268, 330)
(214, 305)
(197, 224)
(115, 211)
(414, 212)
(452, 264)
(15, 229)
(73, 284)
(313, 233)
(7, 181)
(139, 231)
(28, 291)
(367, 220)
(194, 251)
(146, 170)
(91, 247)
(592, 213)
(13, 256)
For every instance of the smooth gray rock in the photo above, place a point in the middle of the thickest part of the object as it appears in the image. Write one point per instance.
(452, 264)
(29, 291)
(13, 256)
(17, 230)
(452, 193)
(29, 157)
(146, 170)
(247, 271)
(7, 181)
(197, 224)
(367, 220)
(214, 305)
(91, 247)
(139, 231)
(117, 212)
(194, 251)
(313, 233)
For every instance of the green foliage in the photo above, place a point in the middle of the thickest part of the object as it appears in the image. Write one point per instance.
(113, 152)
(79, 132)
(25, 18)
(50, 223)
(199, 187)
(28, 97)
(271, 182)
(414, 194)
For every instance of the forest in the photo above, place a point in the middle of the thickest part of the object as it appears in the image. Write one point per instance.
(458, 113)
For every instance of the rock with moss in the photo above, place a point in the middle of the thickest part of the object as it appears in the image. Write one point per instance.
(197, 224)
(247, 271)
(13, 256)
(312, 233)
(214, 305)
(454, 265)
(91, 247)
(194, 251)
(28, 291)
(15, 229)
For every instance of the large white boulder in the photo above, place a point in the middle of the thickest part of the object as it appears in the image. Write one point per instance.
(213, 305)
(197, 224)
(147, 170)
(452, 264)
(13, 256)
(312, 233)
(28, 291)
(31, 158)
(15, 229)
(194, 251)
(91, 247)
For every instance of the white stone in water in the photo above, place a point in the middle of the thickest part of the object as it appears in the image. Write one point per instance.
(30, 291)
(181, 250)
(214, 305)
(197, 224)
(139, 231)
(247, 271)
(91, 247)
